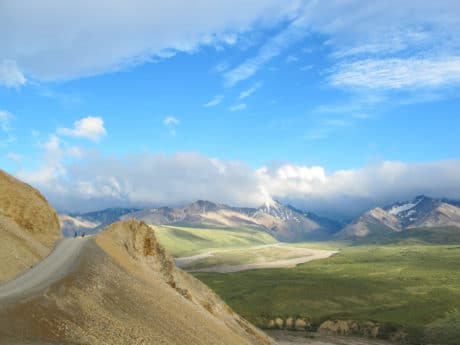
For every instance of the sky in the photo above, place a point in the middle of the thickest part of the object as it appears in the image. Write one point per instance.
(335, 107)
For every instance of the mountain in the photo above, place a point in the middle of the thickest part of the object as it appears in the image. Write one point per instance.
(285, 223)
(199, 213)
(105, 217)
(29, 226)
(422, 212)
(91, 222)
(375, 221)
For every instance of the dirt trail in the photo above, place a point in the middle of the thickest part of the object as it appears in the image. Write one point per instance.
(54, 267)
(308, 255)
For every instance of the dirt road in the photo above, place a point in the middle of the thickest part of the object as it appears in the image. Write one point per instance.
(54, 267)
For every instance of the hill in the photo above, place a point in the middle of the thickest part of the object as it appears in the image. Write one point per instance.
(125, 289)
(29, 227)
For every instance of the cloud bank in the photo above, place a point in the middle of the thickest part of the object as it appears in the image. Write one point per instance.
(157, 179)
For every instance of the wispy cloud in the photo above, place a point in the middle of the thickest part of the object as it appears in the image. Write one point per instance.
(238, 107)
(397, 73)
(271, 49)
(10, 74)
(326, 127)
(248, 92)
(215, 101)
(171, 123)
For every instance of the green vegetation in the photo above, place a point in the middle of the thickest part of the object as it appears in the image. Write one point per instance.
(185, 241)
(414, 286)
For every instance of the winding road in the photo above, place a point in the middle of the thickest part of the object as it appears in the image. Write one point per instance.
(54, 267)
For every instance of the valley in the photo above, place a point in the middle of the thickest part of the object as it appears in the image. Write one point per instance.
(408, 291)
(388, 275)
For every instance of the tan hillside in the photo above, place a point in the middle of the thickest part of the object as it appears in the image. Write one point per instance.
(125, 289)
(29, 226)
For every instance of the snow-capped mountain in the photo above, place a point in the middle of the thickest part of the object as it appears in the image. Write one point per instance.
(422, 212)
(290, 224)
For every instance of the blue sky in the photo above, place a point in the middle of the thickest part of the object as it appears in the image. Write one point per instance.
(296, 100)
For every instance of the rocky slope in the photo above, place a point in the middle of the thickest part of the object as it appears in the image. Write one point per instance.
(29, 227)
(126, 290)
(422, 212)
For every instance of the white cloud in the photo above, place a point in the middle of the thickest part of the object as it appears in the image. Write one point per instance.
(97, 181)
(50, 37)
(100, 181)
(215, 101)
(10, 74)
(398, 73)
(56, 156)
(171, 123)
(246, 93)
(364, 36)
(90, 127)
(238, 107)
(5, 118)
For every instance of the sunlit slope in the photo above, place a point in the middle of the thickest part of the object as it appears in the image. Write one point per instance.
(183, 241)
(29, 226)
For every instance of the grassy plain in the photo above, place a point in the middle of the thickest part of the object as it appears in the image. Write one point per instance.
(185, 241)
(414, 286)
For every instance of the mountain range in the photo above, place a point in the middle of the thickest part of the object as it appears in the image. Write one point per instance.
(284, 222)
(422, 212)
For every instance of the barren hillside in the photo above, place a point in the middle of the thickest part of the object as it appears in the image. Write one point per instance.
(29, 226)
(125, 289)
